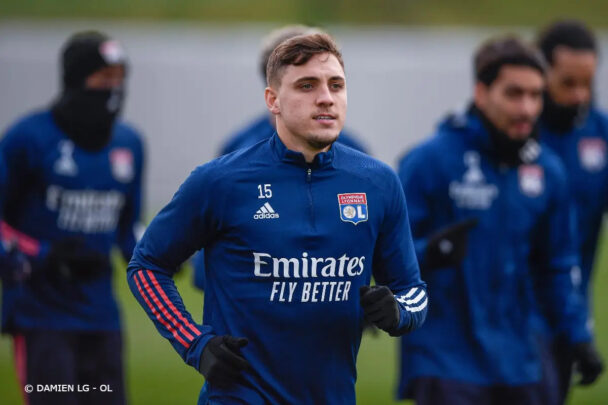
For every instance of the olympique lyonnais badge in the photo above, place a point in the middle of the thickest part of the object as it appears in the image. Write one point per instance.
(112, 52)
(353, 207)
(531, 180)
(592, 154)
(121, 160)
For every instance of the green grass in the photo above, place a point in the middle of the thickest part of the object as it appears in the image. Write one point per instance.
(428, 12)
(157, 375)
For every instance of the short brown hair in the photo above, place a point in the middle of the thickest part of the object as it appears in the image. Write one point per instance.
(498, 52)
(297, 51)
(274, 39)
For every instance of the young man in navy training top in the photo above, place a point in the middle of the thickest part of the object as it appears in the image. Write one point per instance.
(73, 191)
(263, 127)
(293, 230)
(574, 128)
(485, 199)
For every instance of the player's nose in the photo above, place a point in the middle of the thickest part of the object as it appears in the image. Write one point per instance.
(324, 96)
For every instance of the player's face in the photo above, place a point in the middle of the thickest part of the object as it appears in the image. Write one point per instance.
(570, 78)
(513, 101)
(310, 102)
(106, 78)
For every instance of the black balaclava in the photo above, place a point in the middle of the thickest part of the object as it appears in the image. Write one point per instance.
(563, 118)
(509, 151)
(87, 115)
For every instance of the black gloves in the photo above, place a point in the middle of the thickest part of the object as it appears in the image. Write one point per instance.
(14, 266)
(70, 259)
(448, 247)
(380, 307)
(221, 362)
(587, 362)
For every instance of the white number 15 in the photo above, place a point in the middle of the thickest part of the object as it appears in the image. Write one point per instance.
(265, 192)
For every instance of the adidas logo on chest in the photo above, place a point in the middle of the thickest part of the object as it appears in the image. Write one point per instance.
(265, 212)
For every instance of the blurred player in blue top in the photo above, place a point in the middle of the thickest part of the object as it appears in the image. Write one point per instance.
(73, 192)
(576, 130)
(263, 127)
(484, 200)
(293, 228)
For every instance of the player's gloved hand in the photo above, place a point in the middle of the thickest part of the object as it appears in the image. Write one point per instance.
(221, 361)
(14, 266)
(71, 260)
(380, 307)
(448, 246)
(587, 362)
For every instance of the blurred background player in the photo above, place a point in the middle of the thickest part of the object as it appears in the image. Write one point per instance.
(490, 200)
(73, 192)
(576, 130)
(260, 342)
(264, 126)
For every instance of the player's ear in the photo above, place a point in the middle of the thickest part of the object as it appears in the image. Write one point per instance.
(272, 101)
(480, 94)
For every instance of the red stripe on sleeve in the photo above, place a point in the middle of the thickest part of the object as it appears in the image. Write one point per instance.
(21, 363)
(170, 304)
(164, 309)
(157, 314)
(26, 244)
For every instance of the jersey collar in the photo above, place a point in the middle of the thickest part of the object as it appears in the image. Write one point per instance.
(283, 154)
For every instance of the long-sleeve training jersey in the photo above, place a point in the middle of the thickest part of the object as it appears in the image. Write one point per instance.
(584, 153)
(287, 247)
(477, 329)
(57, 190)
(258, 130)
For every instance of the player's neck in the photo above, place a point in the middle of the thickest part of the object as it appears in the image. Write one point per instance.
(297, 144)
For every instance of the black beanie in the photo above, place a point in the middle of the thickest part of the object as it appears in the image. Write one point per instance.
(86, 52)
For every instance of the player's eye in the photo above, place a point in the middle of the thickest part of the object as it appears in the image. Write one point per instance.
(337, 86)
(306, 86)
(513, 92)
(569, 82)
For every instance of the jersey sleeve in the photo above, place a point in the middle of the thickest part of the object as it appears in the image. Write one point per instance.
(129, 225)
(198, 266)
(415, 176)
(395, 264)
(184, 226)
(18, 150)
(557, 262)
(3, 250)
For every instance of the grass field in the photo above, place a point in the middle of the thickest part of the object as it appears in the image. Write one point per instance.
(157, 375)
(429, 12)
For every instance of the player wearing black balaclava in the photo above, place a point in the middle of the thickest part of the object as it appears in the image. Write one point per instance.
(73, 192)
(87, 114)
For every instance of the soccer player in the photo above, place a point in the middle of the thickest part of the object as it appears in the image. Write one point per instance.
(293, 230)
(73, 192)
(263, 127)
(574, 128)
(484, 199)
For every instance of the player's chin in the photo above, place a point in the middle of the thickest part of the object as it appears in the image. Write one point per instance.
(322, 140)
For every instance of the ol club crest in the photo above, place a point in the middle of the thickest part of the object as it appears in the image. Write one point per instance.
(592, 154)
(531, 180)
(121, 160)
(353, 207)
